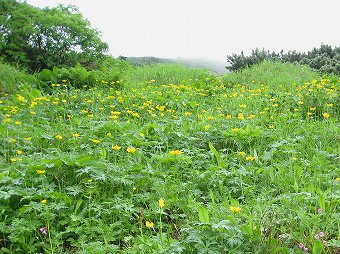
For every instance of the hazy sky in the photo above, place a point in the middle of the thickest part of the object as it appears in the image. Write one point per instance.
(209, 29)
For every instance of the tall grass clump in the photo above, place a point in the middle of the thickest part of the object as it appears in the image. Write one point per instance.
(11, 78)
(273, 73)
(165, 74)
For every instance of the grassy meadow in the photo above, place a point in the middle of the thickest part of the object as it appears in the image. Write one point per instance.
(173, 160)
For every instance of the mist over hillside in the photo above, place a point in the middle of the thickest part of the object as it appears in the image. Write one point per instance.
(216, 66)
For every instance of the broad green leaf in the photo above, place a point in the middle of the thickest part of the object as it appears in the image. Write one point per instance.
(203, 214)
(219, 159)
(79, 202)
(317, 247)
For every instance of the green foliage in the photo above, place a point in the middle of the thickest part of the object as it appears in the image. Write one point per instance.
(42, 38)
(191, 166)
(79, 77)
(11, 79)
(166, 74)
(272, 73)
(325, 59)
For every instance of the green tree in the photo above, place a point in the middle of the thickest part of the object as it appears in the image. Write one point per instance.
(42, 38)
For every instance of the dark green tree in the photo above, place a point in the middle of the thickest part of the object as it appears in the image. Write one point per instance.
(41, 38)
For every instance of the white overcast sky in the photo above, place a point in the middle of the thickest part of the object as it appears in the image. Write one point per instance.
(209, 29)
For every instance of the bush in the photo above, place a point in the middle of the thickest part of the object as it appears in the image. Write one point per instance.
(110, 71)
(325, 59)
(12, 78)
(273, 73)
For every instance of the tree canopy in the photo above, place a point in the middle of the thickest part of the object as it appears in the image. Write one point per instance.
(41, 38)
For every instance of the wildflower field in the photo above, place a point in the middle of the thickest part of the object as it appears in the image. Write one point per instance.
(173, 162)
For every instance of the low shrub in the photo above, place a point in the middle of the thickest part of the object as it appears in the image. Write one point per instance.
(12, 78)
(324, 59)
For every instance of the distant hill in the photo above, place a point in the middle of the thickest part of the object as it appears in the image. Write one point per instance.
(212, 65)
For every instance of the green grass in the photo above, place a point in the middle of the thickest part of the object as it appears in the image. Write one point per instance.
(11, 78)
(273, 73)
(251, 167)
(166, 74)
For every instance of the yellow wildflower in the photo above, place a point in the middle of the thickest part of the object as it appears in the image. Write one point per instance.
(149, 224)
(131, 150)
(40, 172)
(235, 209)
(175, 152)
(58, 137)
(75, 135)
(161, 203)
(96, 141)
(250, 158)
(326, 115)
(44, 201)
(116, 147)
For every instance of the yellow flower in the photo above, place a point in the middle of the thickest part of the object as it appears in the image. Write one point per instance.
(19, 152)
(241, 153)
(96, 141)
(44, 201)
(17, 123)
(7, 120)
(250, 158)
(240, 116)
(141, 134)
(75, 135)
(235, 209)
(28, 139)
(149, 224)
(90, 180)
(235, 129)
(338, 179)
(161, 203)
(13, 159)
(207, 127)
(109, 134)
(40, 172)
(175, 152)
(326, 115)
(12, 140)
(116, 147)
(131, 150)
(271, 126)
(58, 137)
